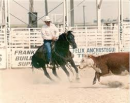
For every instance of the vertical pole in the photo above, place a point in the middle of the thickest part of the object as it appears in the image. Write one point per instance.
(65, 16)
(8, 34)
(121, 21)
(46, 7)
(8, 14)
(5, 11)
(119, 25)
(72, 12)
(1, 5)
(121, 3)
(98, 14)
(31, 6)
(30, 13)
(84, 16)
(67, 12)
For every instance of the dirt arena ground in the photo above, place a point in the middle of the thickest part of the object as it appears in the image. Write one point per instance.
(25, 86)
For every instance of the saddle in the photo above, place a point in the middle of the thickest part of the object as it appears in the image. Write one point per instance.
(43, 50)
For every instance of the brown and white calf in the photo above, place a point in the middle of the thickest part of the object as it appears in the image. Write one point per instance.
(115, 63)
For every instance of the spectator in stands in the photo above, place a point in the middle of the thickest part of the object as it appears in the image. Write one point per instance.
(49, 33)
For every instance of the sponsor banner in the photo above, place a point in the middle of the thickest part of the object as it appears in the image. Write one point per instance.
(101, 50)
(2, 58)
(79, 52)
(22, 58)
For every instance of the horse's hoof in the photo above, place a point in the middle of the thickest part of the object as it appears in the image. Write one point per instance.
(71, 81)
(77, 78)
(52, 80)
(59, 78)
(94, 82)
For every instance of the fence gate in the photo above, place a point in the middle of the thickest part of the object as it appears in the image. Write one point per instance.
(3, 51)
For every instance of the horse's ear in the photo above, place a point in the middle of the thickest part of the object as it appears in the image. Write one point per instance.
(69, 31)
(85, 55)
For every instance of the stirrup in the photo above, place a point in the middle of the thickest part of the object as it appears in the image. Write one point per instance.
(50, 63)
(50, 66)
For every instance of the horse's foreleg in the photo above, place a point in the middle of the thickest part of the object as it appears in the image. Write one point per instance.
(66, 71)
(76, 69)
(54, 72)
(46, 73)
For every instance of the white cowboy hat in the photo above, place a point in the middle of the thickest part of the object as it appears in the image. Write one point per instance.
(47, 18)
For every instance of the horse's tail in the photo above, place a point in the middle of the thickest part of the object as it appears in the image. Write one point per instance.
(35, 62)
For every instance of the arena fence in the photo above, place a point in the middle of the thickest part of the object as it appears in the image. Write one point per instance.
(23, 42)
(3, 49)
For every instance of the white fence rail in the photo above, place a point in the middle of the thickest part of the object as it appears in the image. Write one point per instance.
(126, 37)
(25, 38)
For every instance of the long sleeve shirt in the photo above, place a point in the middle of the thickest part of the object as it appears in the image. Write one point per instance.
(48, 32)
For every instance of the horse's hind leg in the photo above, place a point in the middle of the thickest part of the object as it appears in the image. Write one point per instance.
(54, 72)
(76, 69)
(46, 73)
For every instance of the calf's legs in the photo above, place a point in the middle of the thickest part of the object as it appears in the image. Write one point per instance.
(97, 76)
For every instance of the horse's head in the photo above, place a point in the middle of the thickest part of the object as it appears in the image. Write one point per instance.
(70, 38)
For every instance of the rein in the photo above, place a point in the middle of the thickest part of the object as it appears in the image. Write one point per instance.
(67, 39)
(60, 55)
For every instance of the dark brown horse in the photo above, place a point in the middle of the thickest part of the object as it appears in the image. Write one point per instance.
(60, 55)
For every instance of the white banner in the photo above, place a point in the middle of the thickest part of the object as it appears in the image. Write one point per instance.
(22, 58)
(79, 52)
(101, 50)
(2, 58)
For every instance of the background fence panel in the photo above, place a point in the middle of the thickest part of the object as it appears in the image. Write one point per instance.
(25, 41)
(2, 49)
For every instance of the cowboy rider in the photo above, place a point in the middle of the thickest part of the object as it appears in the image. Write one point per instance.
(49, 33)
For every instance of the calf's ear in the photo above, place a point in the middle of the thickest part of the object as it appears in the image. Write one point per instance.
(85, 55)
(89, 56)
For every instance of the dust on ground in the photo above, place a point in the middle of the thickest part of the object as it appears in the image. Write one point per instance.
(25, 86)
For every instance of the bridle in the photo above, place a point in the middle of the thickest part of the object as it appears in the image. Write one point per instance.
(67, 39)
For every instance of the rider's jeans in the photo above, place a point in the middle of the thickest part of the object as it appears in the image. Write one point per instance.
(47, 44)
